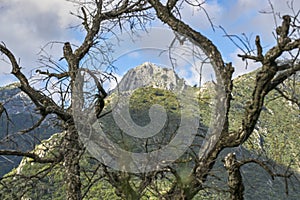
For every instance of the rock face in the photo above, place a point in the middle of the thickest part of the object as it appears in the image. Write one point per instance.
(15, 101)
(149, 74)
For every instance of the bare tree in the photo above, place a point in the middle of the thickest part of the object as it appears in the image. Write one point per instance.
(103, 17)
(98, 17)
(270, 75)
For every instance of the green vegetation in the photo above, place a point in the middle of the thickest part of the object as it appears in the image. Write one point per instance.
(280, 134)
(278, 126)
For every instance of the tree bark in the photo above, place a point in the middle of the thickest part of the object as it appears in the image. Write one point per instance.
(235, 181)
(73, 151)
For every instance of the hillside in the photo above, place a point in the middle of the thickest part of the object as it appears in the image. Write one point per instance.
(276, 135)
(21, 116)
(278, 129)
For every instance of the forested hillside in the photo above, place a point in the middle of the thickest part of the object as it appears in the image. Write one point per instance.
(277, 151)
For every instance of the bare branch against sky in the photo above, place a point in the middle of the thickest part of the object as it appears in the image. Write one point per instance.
(27, 26)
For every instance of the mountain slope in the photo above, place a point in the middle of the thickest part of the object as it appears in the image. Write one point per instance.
(276, 134)
(21, 116)
(146, 92)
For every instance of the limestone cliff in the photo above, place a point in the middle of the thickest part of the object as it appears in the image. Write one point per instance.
(149, 74)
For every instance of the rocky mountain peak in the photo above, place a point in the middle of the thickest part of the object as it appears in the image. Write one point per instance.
(149, 74)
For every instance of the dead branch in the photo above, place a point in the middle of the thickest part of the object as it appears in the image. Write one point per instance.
(265, 167)
(37, 124)
(40, 100)
(259, 48)
(291, 99)
(33, 156)
(235, 180)
(58, 76)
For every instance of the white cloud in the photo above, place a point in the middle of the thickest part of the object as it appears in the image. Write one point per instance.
(197, 18)
(240, 66)
(199, 73)
(110, 85)
(245, 16)
(28, 25)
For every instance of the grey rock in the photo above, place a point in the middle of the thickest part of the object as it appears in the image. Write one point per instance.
(149, 74)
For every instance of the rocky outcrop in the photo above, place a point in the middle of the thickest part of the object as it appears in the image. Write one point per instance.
(149, 74)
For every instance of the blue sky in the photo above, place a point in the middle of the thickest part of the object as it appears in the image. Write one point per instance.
(26, 26)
